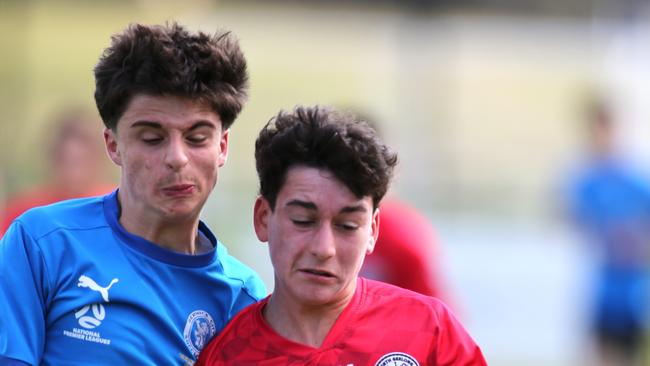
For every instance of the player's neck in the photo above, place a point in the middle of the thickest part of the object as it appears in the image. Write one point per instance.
(178, 239)
(180, 235)
(302, 324)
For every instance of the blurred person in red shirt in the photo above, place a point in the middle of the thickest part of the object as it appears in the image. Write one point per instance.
(76, 166)
(405, 254)
(407, 250)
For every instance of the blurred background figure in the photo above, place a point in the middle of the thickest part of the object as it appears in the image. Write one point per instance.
(76, 165)
(406, 251)
(2, 194)
(610, 203)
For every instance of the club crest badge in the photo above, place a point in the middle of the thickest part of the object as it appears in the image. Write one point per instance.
(397, 358)
(199, 329)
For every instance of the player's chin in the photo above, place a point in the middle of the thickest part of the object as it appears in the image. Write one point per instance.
(317, 301)
(321, 296)
(182, 210)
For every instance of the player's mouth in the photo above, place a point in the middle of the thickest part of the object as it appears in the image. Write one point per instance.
(317, 272)
(178, 190)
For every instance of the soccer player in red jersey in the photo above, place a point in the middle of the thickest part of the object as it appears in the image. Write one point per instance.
(322, 175)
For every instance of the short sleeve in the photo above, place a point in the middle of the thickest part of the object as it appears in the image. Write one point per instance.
(254, 291)
(454, 345)
(23, 292)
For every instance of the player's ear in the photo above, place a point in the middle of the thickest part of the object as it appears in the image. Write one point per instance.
(110, 140)
(261, 215)
(223, 148)
(374, 232)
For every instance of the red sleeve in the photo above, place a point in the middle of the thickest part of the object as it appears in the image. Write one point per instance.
(454, 345)
(391, 319)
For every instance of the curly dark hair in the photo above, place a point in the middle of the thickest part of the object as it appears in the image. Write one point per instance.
(321, 137)
(169, 60)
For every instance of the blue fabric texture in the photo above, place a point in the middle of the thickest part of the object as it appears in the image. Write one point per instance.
(76, 288)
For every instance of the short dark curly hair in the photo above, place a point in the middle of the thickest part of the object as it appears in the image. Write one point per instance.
(169, 60)
(321, 137)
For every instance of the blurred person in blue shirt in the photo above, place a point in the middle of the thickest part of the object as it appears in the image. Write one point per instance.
(610, 203)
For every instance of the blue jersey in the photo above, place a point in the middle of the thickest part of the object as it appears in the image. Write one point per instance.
(612, 204)
(78, 289)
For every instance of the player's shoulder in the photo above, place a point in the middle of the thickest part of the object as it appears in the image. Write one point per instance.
(74, 214)
(240, 272)
(232, 266)
(245, 321)
(386, 307)
(394, 297)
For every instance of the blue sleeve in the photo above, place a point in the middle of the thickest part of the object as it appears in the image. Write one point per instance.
(23, 292)
(11, 362)
(255, 288)
(252, 287)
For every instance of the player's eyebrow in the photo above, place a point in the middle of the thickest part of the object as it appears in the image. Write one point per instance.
(156, 125)
(312, 206)
(300, 203)
(202, 123)
(355, 208)
(150, 124)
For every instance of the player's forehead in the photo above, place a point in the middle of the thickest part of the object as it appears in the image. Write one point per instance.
(318, 189)
(167, 112)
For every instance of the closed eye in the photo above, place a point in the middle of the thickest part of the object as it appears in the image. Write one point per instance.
(197, 139)
(298, 222)
(152, 140)
(348, 226)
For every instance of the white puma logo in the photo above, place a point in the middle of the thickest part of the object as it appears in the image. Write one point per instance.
(85, 281)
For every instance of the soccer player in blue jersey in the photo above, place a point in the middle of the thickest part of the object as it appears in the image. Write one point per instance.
(134, 277)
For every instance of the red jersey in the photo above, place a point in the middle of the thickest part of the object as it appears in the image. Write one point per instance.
(383, 325)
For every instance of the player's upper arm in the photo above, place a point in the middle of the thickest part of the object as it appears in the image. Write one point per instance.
(455, 346)
(23, 292)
